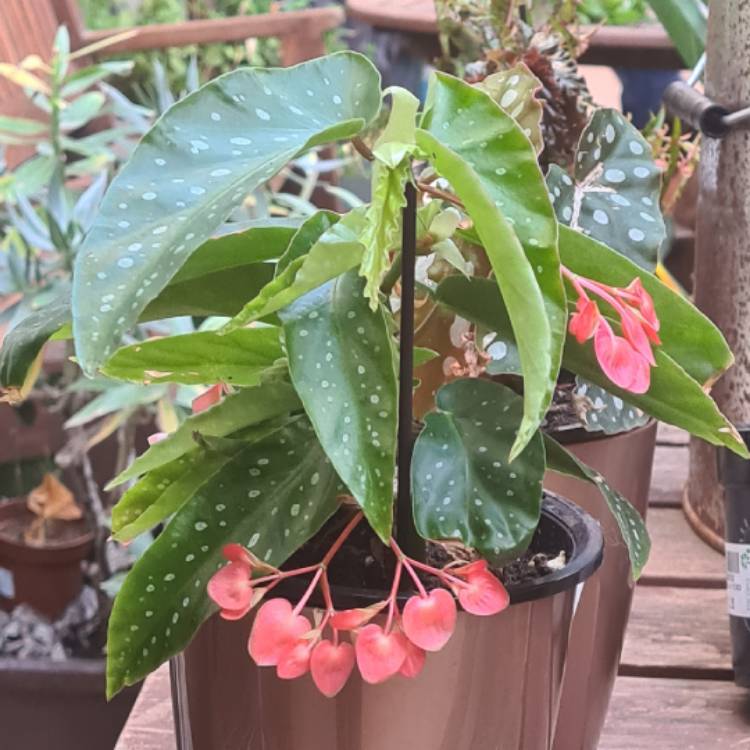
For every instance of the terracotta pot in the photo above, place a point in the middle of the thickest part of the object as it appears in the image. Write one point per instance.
(59, 704)
(48, 577)
(598, 631)
(495, 684)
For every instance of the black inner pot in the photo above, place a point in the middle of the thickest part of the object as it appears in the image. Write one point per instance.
(563, 527)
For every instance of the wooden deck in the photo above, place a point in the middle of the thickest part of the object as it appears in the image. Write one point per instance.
(675, 689)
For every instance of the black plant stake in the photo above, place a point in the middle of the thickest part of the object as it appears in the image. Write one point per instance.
(411, 543)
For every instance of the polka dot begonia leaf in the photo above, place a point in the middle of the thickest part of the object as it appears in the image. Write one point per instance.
(631, 525)
(271, 497)
(342, 363)
(615, 190)
(198, 162)
(492, 167)
(463, 486)
(600, 411)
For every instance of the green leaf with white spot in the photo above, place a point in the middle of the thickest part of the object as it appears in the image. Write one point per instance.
(342, 364)
(271, 497)
(463, 486)
(493, 169)
(163, 491)
(600, 411)
(196, 164)
(631, 525)
(239, 358)
(247, 407)
(337, 250)
(615, 191)
(515, 91)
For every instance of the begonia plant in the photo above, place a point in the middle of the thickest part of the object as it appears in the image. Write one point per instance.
(299, 421)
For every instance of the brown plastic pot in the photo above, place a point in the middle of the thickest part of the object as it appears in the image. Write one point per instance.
(496, 684)
(598, 631)
(59, 704)
(47, 577)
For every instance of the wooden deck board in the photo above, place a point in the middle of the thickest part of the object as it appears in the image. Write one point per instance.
(668, 714)
(678, 556)
(668, 476)
(677, 632)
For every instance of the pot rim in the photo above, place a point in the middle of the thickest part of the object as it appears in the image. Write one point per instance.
(11, 507)
(580, 436)
(585, 552)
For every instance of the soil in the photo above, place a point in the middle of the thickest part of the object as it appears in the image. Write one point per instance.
(363, 562)
(57, 533)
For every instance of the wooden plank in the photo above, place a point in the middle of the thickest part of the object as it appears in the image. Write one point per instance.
(678, 556)
(151, 724)
(678, 632)
(668, 476)
(646, 714)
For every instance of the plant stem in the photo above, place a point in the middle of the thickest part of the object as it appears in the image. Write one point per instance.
(405, 529)
(392, 275)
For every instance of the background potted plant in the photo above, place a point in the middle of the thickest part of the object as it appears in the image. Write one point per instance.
(265, 468)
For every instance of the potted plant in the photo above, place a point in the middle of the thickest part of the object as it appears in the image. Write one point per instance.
(286, 482)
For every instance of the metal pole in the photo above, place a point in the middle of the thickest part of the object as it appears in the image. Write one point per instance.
(406, 533)
(722, 268)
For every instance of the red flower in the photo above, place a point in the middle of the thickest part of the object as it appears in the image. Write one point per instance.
(331, 665)
(275, 630)
(231, 587)
(351, 619)
(295, 661)
(620, 361)
(429, 621)
(584, 321)
(484, 594)
(380, 655)
(414, 662)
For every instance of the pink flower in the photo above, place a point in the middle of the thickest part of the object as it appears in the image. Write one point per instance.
(295, 661)
(414, 662)
(429, 621)
(584, 321)
(232, 589)
(620, 361)
(351, 619)
(275, 630)
(380, 655)
(484, 594)
(208, 398)
(331, 665)
(646, 308)
(157, 437)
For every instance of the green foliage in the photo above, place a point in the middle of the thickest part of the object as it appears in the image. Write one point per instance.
(215, 146)
(471, 141)
(272, 496)
(612, 12)
(685, 22)
(463, 486)
(600, 411)
(342, 365)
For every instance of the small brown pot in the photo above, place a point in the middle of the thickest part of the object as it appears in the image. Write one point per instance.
(48, 577)
(494, 685)
(59, 704)
(598, 631)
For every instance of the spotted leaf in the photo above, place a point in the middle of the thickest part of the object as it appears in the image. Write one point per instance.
(239, 358)
(197, 163)
(463, 486)
(631, 525)
(247, 407)
(271, 497)
(615, 190)
(515, 91)
(600, 411)
(342, 364)
(493, 169)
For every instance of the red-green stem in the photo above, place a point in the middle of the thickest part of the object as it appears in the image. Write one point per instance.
(308, 593)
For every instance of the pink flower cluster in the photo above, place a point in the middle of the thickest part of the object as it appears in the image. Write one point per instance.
(626, 360)
(284, 638)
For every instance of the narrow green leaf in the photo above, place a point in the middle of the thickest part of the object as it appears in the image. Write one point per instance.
(685, 23)
(116, 397)
(342, 364)
(247, 407)
(238, 358)
(21, 126)
(338, 249)
(615, 190)
(198, 161)
(309, 232)
(272, 497)
(463, 486)
(82, 110)
(629, 520)
(493, 169)
(163, 491)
